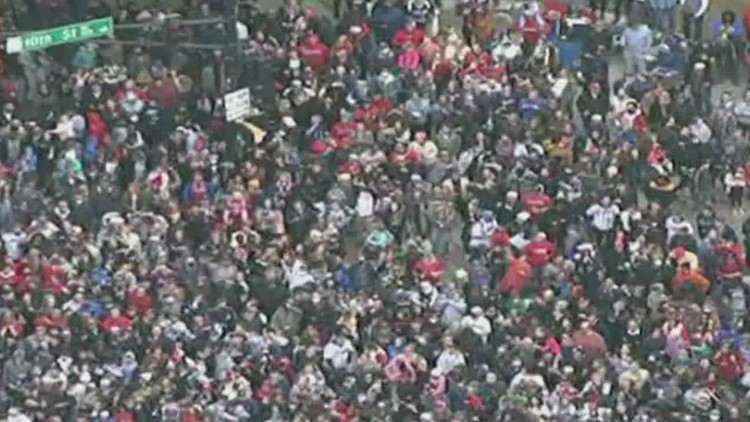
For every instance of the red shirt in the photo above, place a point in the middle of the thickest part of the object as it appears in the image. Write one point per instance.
(141, 302)
(500, 239)
(533, 29)
(343, 134)
(380, 107)
(557, 6)
(431, 269)
(350, 167)
(409, 60)
(730, 365)
(124, 416)
(536, 203)
(443, 68)
(415, 37)
(733, 260)
(515, 278)
(539, 252)
(123, 93)
(8, 277)
(110, 323)
(314, 53)
(51, 321)
(166, 95)
(52, 278)
(97, 126)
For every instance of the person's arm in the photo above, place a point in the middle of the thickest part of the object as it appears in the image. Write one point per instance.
(592, 210)
(703, 8)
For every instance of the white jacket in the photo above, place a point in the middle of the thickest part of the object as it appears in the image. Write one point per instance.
(479, 325)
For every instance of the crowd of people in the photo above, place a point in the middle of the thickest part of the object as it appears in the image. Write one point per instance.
(417, 223)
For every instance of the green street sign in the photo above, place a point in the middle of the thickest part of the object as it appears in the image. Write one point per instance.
(81, 31)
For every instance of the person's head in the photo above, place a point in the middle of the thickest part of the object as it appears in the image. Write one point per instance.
(728, 17)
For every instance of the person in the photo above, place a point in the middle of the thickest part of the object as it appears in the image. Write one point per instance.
(448, 240)
(636, 41)
(665, 15)
(735, 181)
(729, 33)
(693, 15)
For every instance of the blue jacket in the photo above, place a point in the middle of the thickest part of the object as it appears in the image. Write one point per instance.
(386, 20)
(739, 28)
(530, 108)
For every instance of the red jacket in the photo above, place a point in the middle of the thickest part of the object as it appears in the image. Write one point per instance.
(97, 126)
(314, 53)
(415, 37)
(514, 280)
(539, 252)
(409, 60)
(746, 21)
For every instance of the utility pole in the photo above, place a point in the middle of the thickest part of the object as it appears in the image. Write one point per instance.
(230, 55)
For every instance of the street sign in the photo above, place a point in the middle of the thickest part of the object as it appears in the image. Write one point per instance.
(237, 104)
(81, 31)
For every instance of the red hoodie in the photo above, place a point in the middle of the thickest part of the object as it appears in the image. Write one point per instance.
(415, 37)
(314, 53)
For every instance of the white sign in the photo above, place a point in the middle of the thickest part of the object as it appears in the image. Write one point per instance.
(237, 104)
(14, 45)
